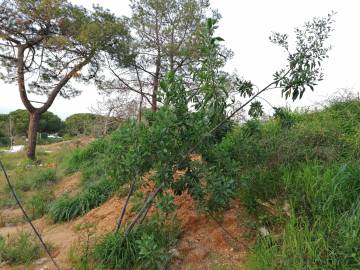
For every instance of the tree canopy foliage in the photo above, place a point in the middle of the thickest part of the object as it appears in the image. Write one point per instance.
(165, 38)
(49, 123)
(189, 122)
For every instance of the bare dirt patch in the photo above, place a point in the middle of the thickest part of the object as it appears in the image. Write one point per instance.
(204, 243)
(10, 216)
(66, 235)
(68, 185)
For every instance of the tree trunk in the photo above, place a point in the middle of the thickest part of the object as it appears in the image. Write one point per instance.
(154, 100)
(140, 108)
(154, 95)
(156, 84)
(32, 134)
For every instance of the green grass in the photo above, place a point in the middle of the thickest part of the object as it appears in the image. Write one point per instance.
(311, 160)
(33, 186)
(33, 180)
(21, 248)
(38, 204)
(67, 208)
(145, 248)
(322, 233)
(106, 165)
(30, 179)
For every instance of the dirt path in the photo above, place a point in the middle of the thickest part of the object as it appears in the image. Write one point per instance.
(68, 185)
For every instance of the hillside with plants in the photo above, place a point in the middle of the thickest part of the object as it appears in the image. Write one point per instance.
(297, 174)
(285, 191)
(179, 167)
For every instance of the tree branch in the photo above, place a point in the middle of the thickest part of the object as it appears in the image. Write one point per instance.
(128, 85)
(21, 79)
(63, 82)
(8, 57)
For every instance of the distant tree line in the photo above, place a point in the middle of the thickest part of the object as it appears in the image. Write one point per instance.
(15, 124)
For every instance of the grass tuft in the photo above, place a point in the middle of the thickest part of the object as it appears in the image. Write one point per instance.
(67, 208)
(19, 249)
(145, 248)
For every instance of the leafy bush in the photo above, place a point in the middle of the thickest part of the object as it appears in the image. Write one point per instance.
(145, 248)
(4, 141)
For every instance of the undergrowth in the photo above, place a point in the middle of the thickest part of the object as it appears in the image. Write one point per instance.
(311, 160)
(148, 247)
(67, 208)
(308, 159)
(31, 179)
(21, 248)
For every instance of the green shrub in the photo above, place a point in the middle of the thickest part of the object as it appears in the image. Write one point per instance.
(19, 249)
(145, 248)
(39, 203)
(4, 141)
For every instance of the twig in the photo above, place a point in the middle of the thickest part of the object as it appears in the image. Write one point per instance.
(27, 217)
(125, 206)
(142, 213)
(145, 214)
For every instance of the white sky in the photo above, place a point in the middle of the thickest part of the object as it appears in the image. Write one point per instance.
(246, 26)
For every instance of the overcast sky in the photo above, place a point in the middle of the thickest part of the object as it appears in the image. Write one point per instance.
(246, 26)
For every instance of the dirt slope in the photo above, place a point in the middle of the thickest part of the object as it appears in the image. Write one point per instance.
(203, 244)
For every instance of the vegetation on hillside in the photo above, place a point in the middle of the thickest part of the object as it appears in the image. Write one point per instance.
(312, 165)
(308, 161)
(19, 249)
(296, 173)
(304, 161)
